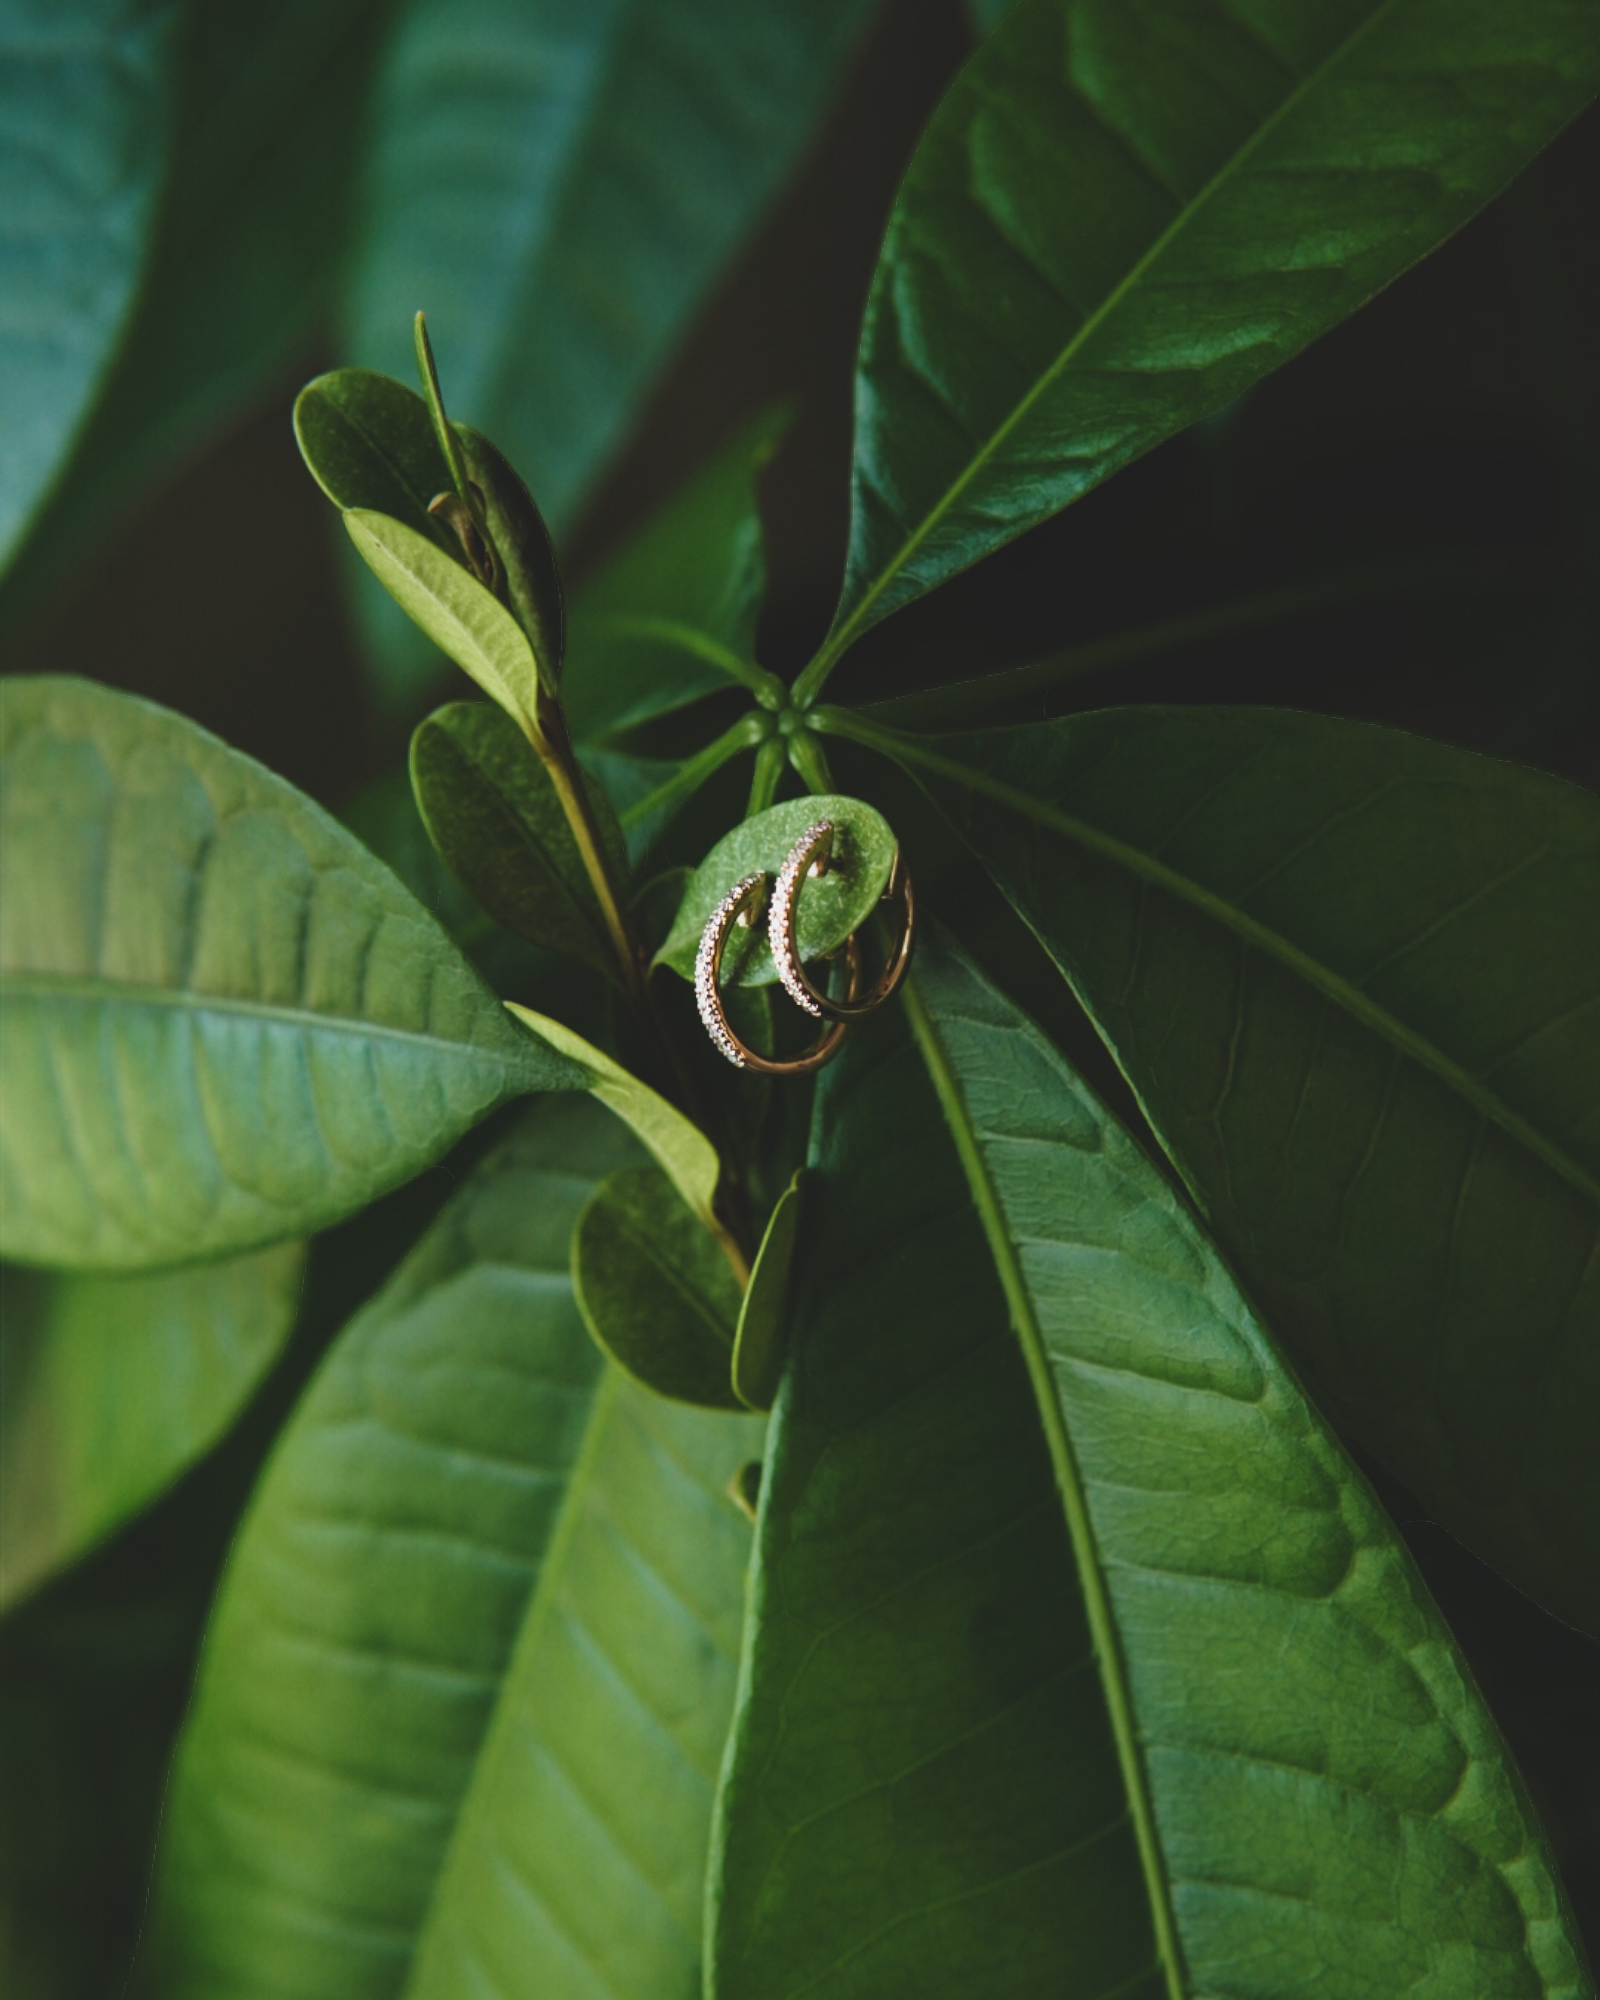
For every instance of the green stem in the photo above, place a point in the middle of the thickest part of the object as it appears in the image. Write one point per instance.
(810, 760)
(770, 760)
(746, 734)
(766, 687)
(449, 444)
(959, 701)
(554, 745)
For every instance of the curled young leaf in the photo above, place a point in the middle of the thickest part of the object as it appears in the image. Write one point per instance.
(656, 1290)
(758, 1346)
(527, 554)
(830, 906)
(493, 813)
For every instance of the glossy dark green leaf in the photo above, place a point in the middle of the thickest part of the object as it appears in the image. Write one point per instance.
(368, 442)
(1121, 215)
(464, 1692)
(829, 907)
(111, 1387)
(1355, 979)
(673, 616)
(458, 613)
(559, 185)
(656, 1290)
(224, 1022)
(1231, 1750)
(85, 109)
(760, 1342)
(493, 814)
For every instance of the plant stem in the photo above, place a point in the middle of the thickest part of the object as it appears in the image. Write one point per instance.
(554, 746)
(746, 734)
(770, 760)
(810, 760)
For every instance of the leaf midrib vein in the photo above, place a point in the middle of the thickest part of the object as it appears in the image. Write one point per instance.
(848, 631)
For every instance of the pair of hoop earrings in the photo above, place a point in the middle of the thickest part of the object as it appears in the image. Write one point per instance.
(744, 904)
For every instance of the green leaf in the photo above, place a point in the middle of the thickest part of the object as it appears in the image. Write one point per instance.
(761, 1339)
(560, 186)
(527, 554)
(461, 1703)
(493, 814)
(111, 1387)
(222, 1022)
(1354, 978)
(84, 117)
(458, 614)
(1232, 1751)
(673, 617)
(829, 907)
(368, 442)
(656, 1290)
(253, 220)
(678, 1146)
(1120, 216)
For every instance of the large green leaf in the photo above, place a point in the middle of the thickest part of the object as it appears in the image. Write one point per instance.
(1354, 978)
(460, 1708)
(1123, 213)
(224, 1022)
(1236, 1753)
(84, 112)
(558, 181)
(110, 1387)
(673, 616)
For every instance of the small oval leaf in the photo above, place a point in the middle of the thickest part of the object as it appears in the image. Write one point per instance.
(368, 442)
(829, 907)
(458, 614)
(493, 814)
(656, 1290)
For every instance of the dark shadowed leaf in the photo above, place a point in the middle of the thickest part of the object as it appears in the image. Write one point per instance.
(527, 554)
(110, 1387)
(1121, 215)
(368, 442)
(224, 1022)
(656, 1290)
(85, 107)
(1231, 1751)
(1355, 979)
(758, 1348)
(673, 616)
(463, 1696)
(493, 814)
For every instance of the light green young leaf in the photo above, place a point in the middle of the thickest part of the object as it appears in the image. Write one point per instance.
(678, 1146)
(828, 908)
(460, 1706)
(222, 1022)
(1120, 216)
(493, 814)
(673, 616)
(84, 125)
(458, 614)
(1354, 978)
(1231, 1749)
(656, 1290)
(761, 1339)
(112, 1387)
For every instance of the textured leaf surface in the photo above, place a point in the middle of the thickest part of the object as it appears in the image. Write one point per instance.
(656, 1290)
(492, 812)
(925, 1791)
(225, 1023)
(1121, 214)
(559, 182)
(1355, 979)
(828, 907)
(111, 1387)
(461, 1704)
(84, 112)
(653, 629)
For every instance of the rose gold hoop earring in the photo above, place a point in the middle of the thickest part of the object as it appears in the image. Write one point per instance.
(809, 856)
(743, 904)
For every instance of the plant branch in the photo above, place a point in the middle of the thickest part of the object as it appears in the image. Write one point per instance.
(770, 760)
